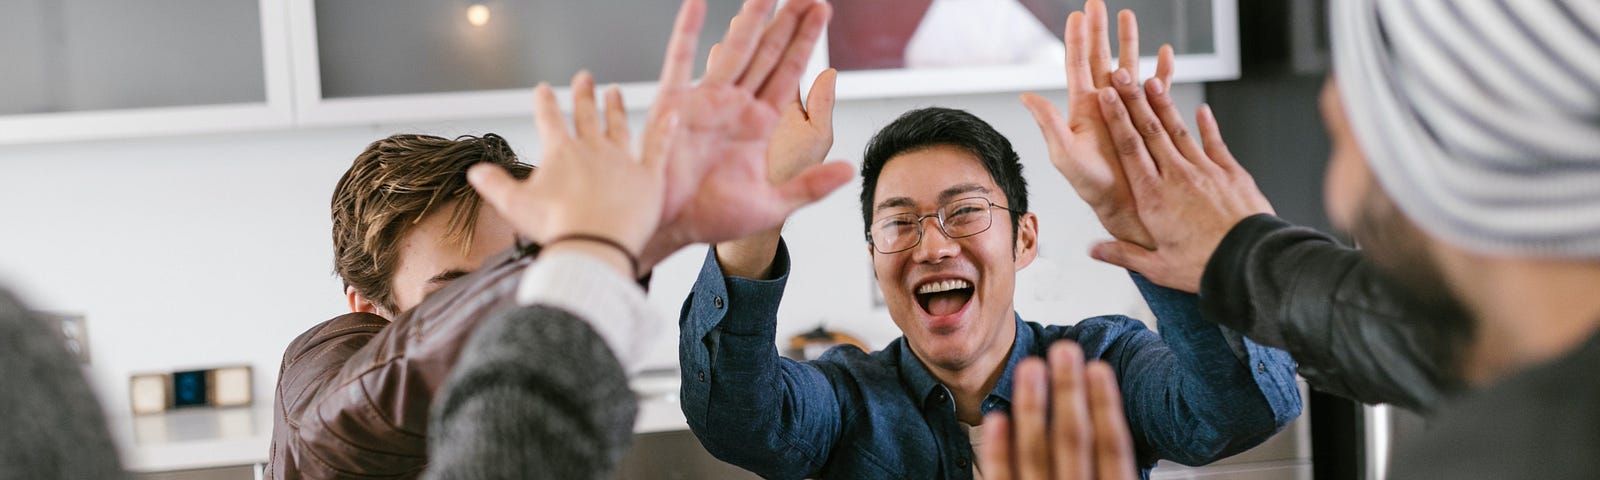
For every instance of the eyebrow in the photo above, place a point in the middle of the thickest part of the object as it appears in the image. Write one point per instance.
(447, 276)
(944, 196)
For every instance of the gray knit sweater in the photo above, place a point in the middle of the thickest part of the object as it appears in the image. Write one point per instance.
(537, 393)
(51, 425)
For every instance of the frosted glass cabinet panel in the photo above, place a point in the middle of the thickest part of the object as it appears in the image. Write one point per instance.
(103, 55)
(871, 35)
(942, 47)
(400, 47)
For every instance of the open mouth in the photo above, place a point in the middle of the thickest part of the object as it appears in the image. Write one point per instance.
(944, 297)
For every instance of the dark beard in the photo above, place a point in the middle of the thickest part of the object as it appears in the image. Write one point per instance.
(1400, 251)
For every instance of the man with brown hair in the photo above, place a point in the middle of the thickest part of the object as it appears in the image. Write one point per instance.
(405, 221)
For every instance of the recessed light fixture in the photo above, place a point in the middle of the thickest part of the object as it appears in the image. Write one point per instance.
(477, 14)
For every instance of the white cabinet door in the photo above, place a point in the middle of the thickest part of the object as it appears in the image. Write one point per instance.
(941, 47)
(378, 61)
(80, 69)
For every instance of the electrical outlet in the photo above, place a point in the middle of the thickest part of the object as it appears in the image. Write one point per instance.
(74, 330)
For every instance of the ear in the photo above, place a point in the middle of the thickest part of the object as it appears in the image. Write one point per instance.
(1027, 247)
(360, 303)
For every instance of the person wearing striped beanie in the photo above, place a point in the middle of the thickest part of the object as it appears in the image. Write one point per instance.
(1466, 163)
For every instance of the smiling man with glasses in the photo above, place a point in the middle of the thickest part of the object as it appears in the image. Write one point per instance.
(1195, 393)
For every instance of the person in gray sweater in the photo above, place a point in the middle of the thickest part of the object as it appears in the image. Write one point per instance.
(51, 426)
(541, 391)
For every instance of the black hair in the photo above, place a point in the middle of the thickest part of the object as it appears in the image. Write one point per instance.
(932, 127)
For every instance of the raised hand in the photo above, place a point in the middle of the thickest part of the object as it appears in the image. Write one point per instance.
(1187, 195)
(805, 131)
(718, 182)
(1066, 423)
(589, 182)
(1080, 147)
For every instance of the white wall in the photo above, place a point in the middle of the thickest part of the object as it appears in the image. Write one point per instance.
(203, 251)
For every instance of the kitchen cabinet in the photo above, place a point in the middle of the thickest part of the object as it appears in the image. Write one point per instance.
(79, 69)
(372, 61)
(87, 69)
(943, 47)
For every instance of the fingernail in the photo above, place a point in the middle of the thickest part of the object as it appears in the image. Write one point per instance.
(1156, 87)
(1108, 95)
(1121, 77)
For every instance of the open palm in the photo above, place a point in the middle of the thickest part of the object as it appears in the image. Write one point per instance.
(718, 183)
(1081, 147)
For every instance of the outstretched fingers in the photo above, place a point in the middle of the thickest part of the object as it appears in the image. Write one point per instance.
(1080, 77)
(994, 455)
(744, 32)
(1172, 121)
(1211, 138)
(495, 186)
(1057, 133)
(1030, 402)
(1128, 41)
(677, 67)
(1100, 50)
(1113, 445)
(772, 45)
(785, 76)
(547, 116)
(1129, 145)
(585, 115)
(1069, 413)
(1164, 65)
(616, 117)
(1156, 140)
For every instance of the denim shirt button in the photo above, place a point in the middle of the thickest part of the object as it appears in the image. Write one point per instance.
(938, 396)
(702, 375)
(961, 462)
(716, 301)
(1261, 367)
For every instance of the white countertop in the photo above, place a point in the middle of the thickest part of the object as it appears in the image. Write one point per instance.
(219, 437)
(193, 438)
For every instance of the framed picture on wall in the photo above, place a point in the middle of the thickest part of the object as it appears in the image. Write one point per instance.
(940, 47)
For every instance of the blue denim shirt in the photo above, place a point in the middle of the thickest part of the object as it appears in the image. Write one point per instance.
(1198, 395)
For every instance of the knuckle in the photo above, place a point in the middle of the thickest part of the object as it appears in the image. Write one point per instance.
(1128, 144)
(1152, 128)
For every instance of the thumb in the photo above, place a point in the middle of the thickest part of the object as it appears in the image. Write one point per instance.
(1124, 254)
(814, 183)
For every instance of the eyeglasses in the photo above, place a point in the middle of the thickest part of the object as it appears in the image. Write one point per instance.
(958, 219)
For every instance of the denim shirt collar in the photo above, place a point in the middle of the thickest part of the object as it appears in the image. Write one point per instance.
(921, 383)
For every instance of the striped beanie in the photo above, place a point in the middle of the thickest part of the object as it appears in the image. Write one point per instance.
(1480, 118)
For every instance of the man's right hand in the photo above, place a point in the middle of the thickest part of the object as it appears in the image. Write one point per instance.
(728, 121)
(803, 138)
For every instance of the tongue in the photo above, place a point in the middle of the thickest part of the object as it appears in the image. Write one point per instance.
(946, 303)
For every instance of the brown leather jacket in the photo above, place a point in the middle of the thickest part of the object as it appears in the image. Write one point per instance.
(354, 392)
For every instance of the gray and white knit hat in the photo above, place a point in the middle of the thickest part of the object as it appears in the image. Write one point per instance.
(1480, 118)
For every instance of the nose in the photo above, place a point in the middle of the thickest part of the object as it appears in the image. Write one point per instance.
(935, 245)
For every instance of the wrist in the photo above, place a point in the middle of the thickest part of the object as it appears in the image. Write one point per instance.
(750, 257)
(604, 249)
